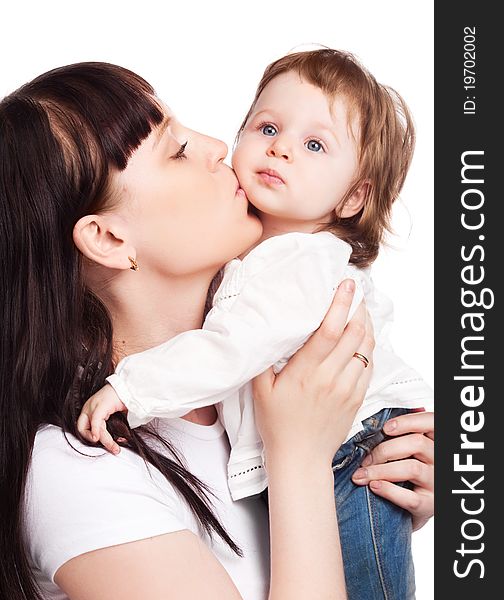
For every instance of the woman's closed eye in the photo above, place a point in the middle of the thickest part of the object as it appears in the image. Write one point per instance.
(180, 152)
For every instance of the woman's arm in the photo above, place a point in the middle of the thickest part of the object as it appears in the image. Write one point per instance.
(176, 565)
(409, 456)
(304, 414)
(302, 427)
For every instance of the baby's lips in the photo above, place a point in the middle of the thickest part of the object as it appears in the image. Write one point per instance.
(271, 177)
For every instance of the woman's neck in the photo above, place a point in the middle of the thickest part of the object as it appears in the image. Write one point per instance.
(150, 310)
(148, 314)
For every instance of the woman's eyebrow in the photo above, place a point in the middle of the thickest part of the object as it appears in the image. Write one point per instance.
(162, 128)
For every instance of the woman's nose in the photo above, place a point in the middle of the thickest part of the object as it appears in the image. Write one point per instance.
(216, 151)
(280, 149)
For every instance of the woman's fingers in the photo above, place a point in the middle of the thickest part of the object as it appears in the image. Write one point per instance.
(403, 497)
(412, 470)
(389, 462)
(415, 445)
(358, 337)
(418, 422)
(324, 340)
(418, 502)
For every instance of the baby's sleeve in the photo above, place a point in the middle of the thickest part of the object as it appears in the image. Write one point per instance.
(280, 294)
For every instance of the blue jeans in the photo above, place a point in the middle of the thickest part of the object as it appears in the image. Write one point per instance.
(375, 534)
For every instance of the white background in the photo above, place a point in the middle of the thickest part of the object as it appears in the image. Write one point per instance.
(205, 59)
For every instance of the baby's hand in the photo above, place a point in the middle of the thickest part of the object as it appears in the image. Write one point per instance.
(92, 422)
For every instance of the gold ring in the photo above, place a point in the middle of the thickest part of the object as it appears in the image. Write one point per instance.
(362, 358)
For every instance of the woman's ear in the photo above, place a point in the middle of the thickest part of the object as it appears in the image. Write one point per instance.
(356, 201)
(105, 240)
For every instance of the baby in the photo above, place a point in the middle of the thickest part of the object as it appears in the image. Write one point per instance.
(322, 154)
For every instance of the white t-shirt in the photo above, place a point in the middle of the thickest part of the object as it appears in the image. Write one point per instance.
(265, 309)
(76, 504)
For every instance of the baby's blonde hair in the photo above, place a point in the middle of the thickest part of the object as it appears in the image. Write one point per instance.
(385, 145)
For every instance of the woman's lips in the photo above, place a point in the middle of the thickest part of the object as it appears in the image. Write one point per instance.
(241, 192)
(270, 177)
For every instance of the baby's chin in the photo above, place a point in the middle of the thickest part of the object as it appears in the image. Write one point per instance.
(256, 207)
(252, 210)
(258, 204)
(268, 206)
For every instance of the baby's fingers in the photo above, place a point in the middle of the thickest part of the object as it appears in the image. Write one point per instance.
(100, 433)
(84, 427)
(99, 421)
(107, 441)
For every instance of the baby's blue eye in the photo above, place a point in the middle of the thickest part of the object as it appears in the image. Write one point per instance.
(314, 146)
(269, 130)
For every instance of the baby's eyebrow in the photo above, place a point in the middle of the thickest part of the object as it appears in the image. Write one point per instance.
(324, 128)
(265, 110)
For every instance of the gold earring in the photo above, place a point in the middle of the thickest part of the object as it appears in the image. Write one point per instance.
(134, 264)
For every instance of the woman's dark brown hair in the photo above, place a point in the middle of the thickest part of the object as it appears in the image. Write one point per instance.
(61, 136)
(385, 143)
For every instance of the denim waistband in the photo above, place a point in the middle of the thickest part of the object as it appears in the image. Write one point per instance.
(371, 435)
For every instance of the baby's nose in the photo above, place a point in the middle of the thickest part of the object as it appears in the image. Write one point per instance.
(279, 150)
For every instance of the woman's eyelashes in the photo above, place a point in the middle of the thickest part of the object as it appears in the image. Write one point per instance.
(180, 152)
(313, 144)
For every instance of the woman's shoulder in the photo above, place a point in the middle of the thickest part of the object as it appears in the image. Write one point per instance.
(80, 499)
(64, 465)
(57, 453)
(52, 440)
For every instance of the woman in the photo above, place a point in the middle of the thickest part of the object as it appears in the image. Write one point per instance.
(94, 182)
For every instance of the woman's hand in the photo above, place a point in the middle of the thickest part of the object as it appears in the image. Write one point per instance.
(309, 407)
(407, 457)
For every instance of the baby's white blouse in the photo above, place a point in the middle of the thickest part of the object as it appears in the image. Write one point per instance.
(265, 309)
(76, 503)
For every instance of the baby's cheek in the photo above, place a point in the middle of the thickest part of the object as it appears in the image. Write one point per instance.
(237, 159)
(241, 166)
